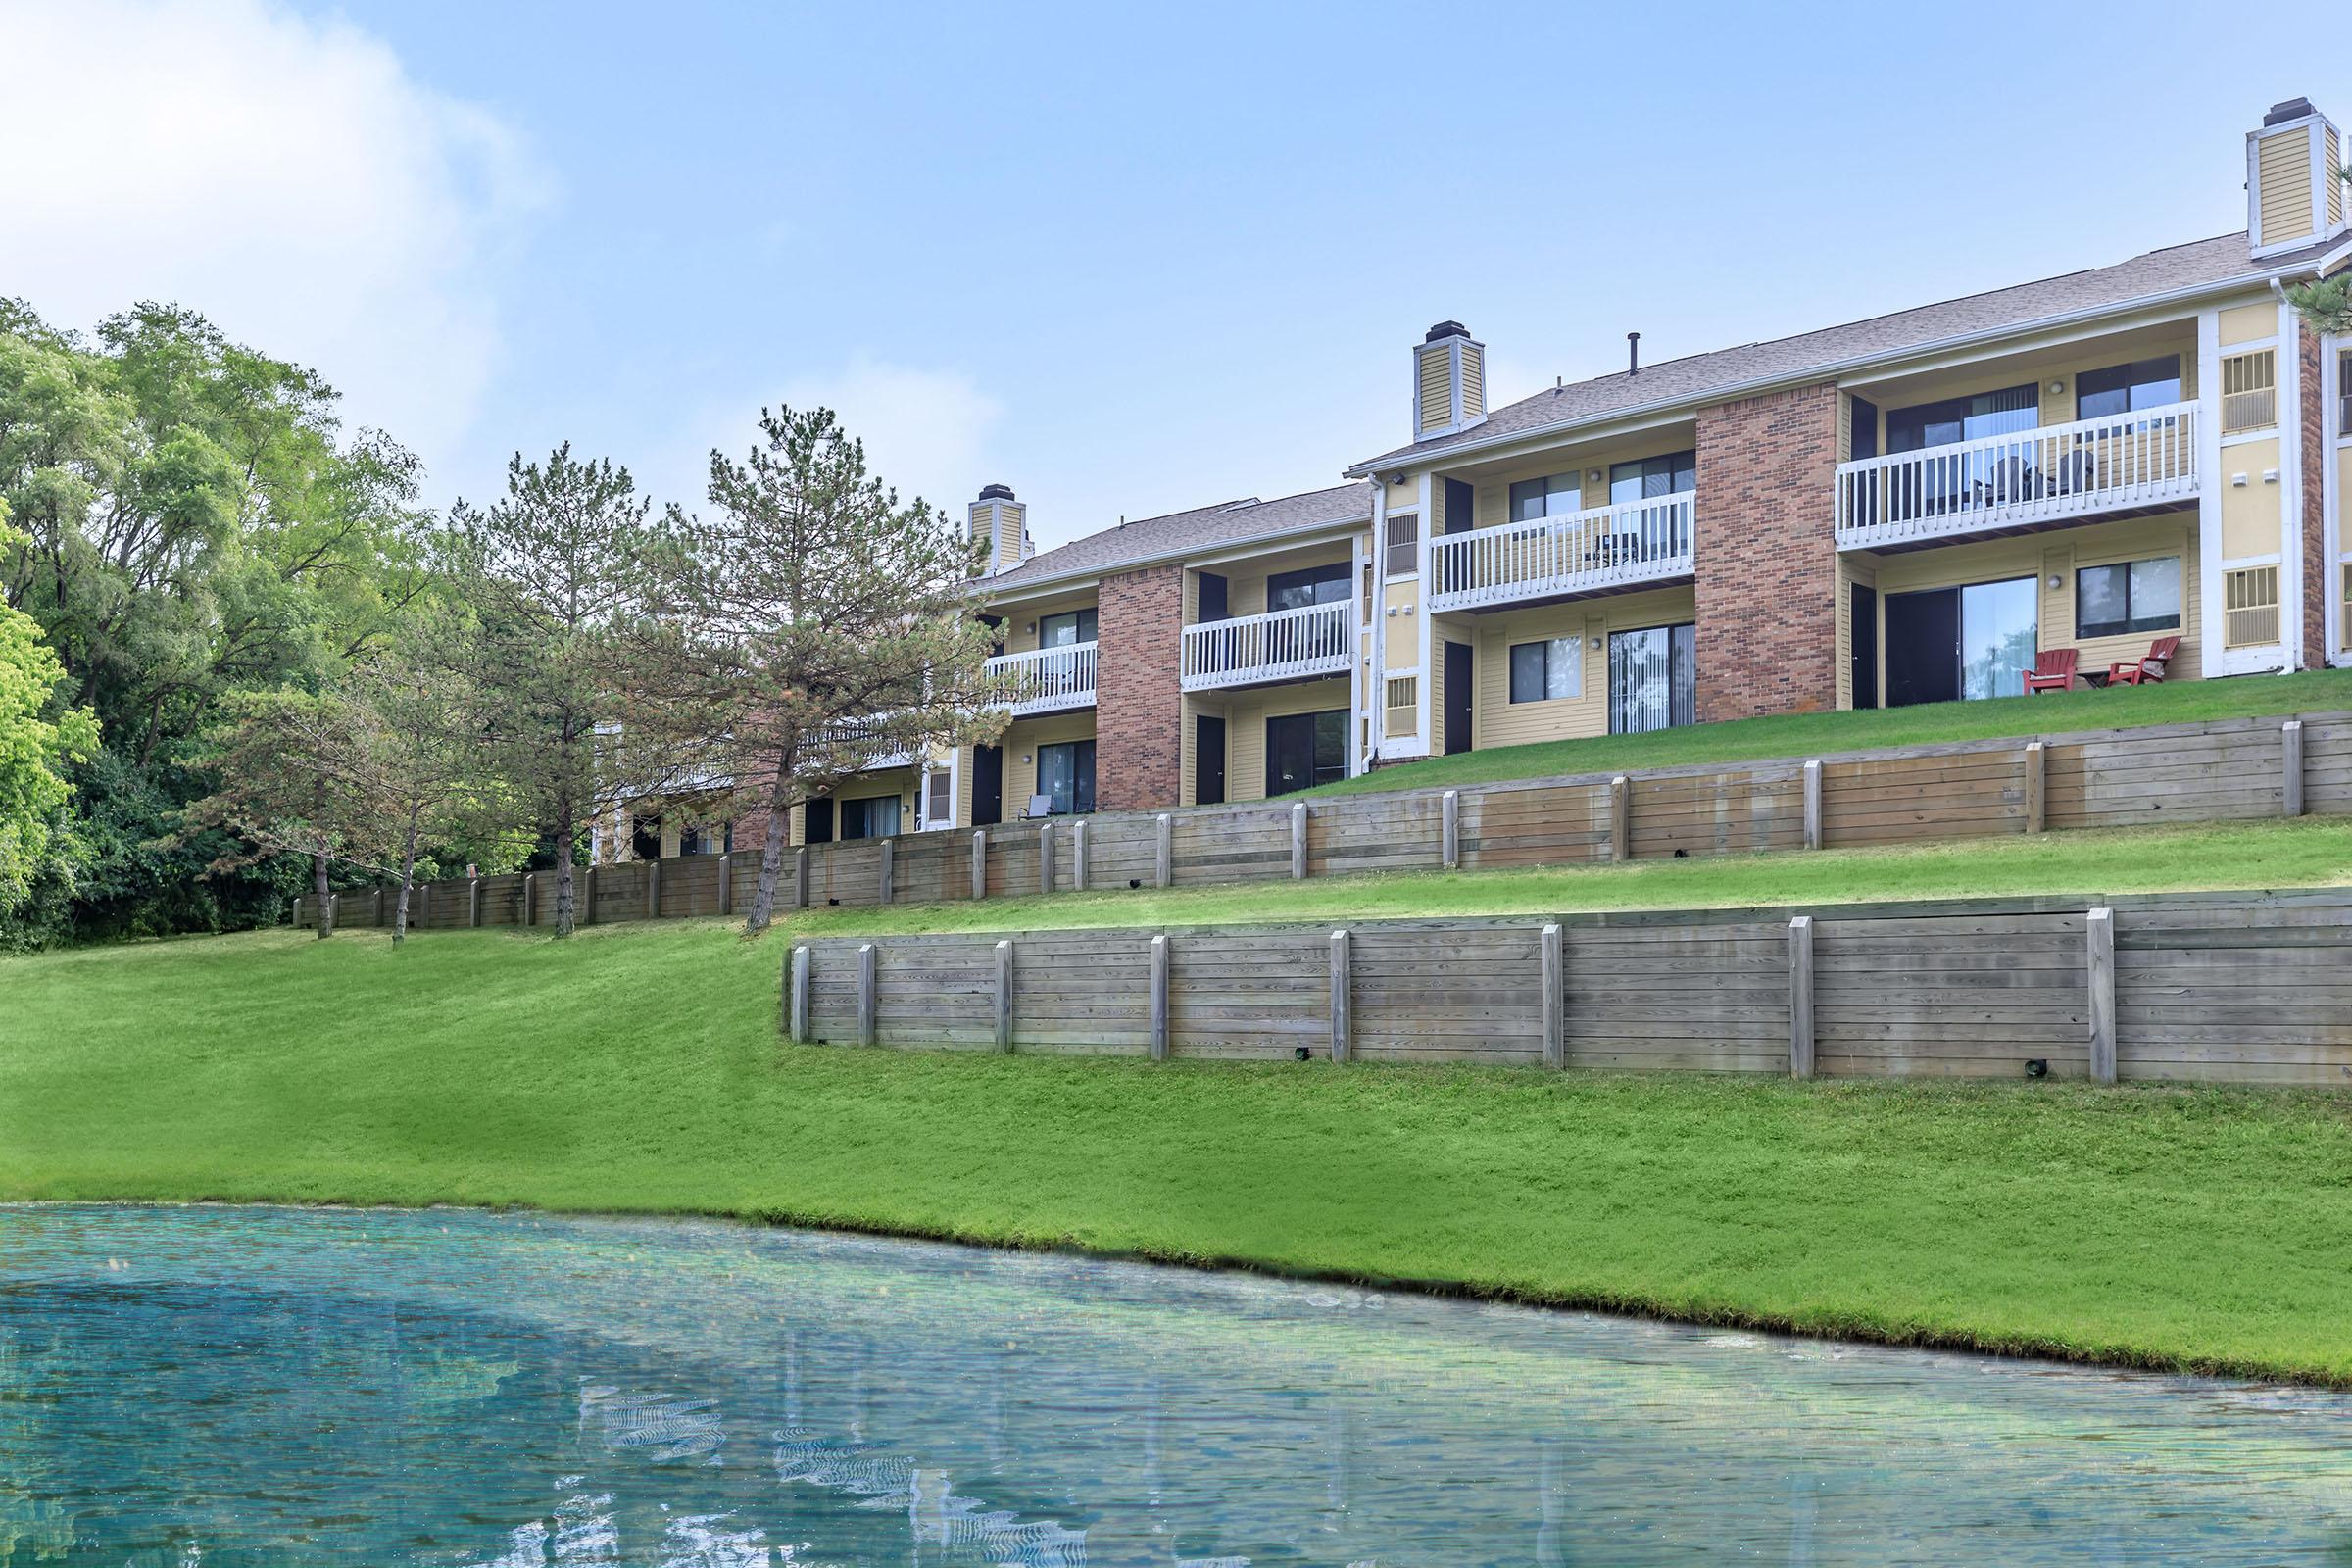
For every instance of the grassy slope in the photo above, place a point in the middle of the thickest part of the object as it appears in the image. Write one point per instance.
(1820, 734)
(637, 1068)
(2314, 852)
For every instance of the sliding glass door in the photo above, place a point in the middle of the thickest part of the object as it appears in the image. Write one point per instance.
(1654, 681)
(1999, 624)
(1065, 776)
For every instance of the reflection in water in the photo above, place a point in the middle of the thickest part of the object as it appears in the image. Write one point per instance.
(239, 1387)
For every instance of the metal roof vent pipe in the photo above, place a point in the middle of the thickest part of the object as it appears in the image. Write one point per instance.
(1633, 354)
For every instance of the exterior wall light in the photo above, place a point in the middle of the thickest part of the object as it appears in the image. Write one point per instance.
(2057, 387)
(2056, 583)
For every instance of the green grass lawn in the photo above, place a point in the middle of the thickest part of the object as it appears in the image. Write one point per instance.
(2314, 852)
(638, 1068)
(2317, 691)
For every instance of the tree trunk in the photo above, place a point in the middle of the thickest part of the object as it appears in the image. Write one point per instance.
(321, 896)
(565, 830)
(771, 854)
(408, 880)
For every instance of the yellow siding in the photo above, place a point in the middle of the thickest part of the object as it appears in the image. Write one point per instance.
(903, 782)
(1496, 720)
(1474, 381)
(2283, 166)
(2249, 323)
(1851, 569)
(1246, 715)
(2249, 512)
(1403, 648)
(2333, 159)
(2062, 555)
(1437, 386)
(1021, 741)
(2061, 367)
(1020, 619)
(1494, 490)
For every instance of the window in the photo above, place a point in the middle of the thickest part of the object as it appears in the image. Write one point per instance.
(1555, 496)
(1065, 776)
(707, 840)
(1069, 628)
(1652, 477)
(1304, 750)
(1547, 671)
(1653, 679)
(876, 817)
(939, 807)
(2122, 388)
(2128, 596)
(2343, 393)
(2249, 391)
(1405, 543)
(1969, 418)
(1309, 586)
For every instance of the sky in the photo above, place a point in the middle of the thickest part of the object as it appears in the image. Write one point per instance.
(1126, 260)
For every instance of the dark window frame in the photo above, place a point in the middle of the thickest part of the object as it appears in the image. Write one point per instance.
(1087, 622)
(2128, 379)
(1913, 420)
(1082, 779)
(1337, 575)
(1545, 648)
(858, 812)
(2131, 624)
(1667, 467)
(1570, 483)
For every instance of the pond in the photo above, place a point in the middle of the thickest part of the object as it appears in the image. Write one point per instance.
(224, 1387)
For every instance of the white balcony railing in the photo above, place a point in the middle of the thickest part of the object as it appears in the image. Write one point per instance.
(1631, 542)
(2116, 462)
(1048, 680)
(1281, 645)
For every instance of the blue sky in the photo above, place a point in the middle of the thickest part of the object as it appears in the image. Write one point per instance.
(1126, 260)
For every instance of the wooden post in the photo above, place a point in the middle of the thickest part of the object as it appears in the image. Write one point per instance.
(424, 903)
(587, 914)
(1004, 994)
(2290, 752)
(1450, 830)
(531, 899)
(2036, 786)
(979, 865)
(726, 883)
(1343, 993)
(295, 920)
(1045, 857)
(796, 996)
(379, 908)
(473, 902)
(800, 877)
(1812, 806)
(652, 889)
(890, 852)
(2100, 928)
(1163, 853)
(1159, 997)
(1299, 841)
(1621, 818)
(1556, 998)
(1800, 996)
(1078, 856)
(867, 962)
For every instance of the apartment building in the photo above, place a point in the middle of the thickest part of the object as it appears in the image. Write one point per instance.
(1901, 510)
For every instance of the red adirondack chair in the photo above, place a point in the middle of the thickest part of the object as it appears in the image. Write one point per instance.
(2147, 670)
(2053, 670)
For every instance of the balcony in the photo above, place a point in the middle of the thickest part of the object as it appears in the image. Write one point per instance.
(1605, 548)
(1278, 646)
(1047, 680)
(2114, 465)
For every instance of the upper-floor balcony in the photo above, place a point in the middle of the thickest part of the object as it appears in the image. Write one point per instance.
(2112, 465)
(1302, 643)
(1048, 680)
(1594, 551)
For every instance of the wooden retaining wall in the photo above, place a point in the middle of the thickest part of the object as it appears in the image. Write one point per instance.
(2227, 987)
(2226, 770)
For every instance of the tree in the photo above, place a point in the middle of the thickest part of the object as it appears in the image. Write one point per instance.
(277, 757)
(414, 763)
(553, 573)
(34, 749)
(814, 625)
(2326, 303)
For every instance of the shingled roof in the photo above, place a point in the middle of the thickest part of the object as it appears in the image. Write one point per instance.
(1182, 533)
(2204, 265)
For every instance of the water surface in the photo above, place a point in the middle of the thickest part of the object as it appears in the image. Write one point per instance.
(225, 1387)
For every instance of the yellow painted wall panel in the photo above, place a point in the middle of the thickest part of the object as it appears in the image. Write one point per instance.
(2249, 512)
(2249, 323)
(1246, 715)
(1496, 720)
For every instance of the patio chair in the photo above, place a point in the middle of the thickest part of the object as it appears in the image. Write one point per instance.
(2149, 669)
(2053, 670)
(1039, 806)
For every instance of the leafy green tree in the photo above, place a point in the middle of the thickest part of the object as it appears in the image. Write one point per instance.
(813, 625)
(554, 576)
(35, 748)
(277, 759)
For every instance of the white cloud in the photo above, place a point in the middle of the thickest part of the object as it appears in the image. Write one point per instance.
(285, 176)
(926, 431)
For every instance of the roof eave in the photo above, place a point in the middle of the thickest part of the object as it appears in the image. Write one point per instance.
(1160, 558)
(1405, 458)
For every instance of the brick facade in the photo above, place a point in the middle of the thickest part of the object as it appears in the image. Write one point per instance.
(1138, 701)
(1766, 554)
(2317, 581)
